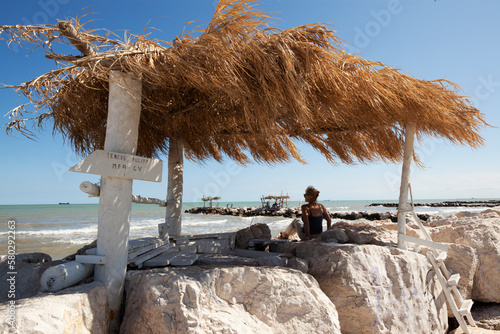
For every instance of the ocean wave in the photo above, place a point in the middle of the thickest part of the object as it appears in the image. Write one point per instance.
(83, 230)
(83, 240)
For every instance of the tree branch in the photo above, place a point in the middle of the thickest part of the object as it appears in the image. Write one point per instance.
(71, 33)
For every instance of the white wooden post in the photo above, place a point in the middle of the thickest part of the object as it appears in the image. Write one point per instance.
(405, 180)
(173, 218)
(115, 200)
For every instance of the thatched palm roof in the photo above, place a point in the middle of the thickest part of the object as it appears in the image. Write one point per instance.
(242, 88)
(276, 197)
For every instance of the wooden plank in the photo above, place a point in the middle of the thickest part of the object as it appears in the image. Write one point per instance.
(441, 257)
(422, 242)
(162, 260)
(225, 235)
(252, 253)
(139, 251)
(451, 301)
(140, 246)
(466, 306)
(91, 259)
(120, 165)
(138, 261)
(453, 280)
(141, 242)
(184, 259)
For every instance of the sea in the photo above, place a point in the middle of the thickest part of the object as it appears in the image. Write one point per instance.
(60, 230)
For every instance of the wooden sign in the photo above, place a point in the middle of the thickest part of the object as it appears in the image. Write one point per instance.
(121, 165)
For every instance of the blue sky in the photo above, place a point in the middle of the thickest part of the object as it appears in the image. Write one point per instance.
(452, 39)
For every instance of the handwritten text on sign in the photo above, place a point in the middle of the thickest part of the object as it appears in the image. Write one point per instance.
(122, 165)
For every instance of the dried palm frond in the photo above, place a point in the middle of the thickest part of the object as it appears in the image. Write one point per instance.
(241, 88)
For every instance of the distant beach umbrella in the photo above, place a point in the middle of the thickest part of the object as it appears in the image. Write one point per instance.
(241, 89)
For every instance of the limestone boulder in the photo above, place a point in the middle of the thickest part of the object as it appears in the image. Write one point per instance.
(377, 289)
(272, 261)
(29, 267)
(369, 232)
(463, 260)
(487, 315)
(299, 264)
(337, 235)
(475, 330)
(481, 231)
(82, 309)
(255, 231)
(226, 300)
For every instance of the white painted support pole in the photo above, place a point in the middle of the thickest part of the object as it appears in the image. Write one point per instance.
(405, 180)
(115, 200)
(172, 226)
(64, 275)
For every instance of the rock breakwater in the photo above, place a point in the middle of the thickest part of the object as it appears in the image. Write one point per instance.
(468, 204)
(294, 212)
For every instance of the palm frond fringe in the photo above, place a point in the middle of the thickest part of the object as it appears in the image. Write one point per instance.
(241, 88)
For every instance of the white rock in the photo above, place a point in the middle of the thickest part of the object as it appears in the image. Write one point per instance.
(481, 232)
(226, 300)
(495, 209)
(81, 309)
(378, 289)
(463, 260)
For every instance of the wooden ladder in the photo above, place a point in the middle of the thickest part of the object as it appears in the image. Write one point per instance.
(461, 307)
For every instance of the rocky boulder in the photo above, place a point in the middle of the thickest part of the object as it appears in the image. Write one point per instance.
(81, 309)
(487, 315)
(463, 260)
(255, 231)
(226, 300)
(474, 330)
(367, 232)
(481, 231)
(29, 267)
(377, 289)
(336, 235)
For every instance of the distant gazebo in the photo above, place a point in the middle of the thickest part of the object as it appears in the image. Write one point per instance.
(279, 202)
(209, 199)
